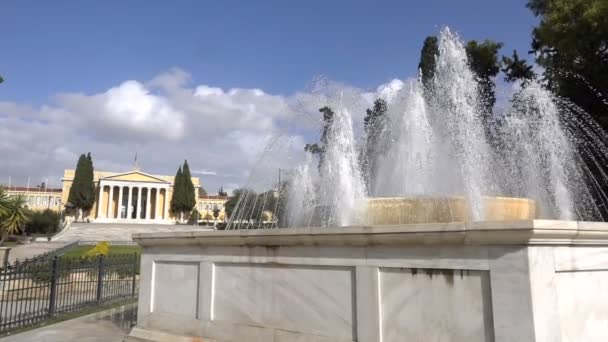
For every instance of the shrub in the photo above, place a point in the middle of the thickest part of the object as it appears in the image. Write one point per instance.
(101, 249)
(193, 217)
(43, 222)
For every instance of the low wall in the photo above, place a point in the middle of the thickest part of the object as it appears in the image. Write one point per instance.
(509, 281)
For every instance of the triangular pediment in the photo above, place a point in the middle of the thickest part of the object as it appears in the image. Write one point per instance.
(135, 176)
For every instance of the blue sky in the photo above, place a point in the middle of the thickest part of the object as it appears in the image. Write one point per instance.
(279, 46)
(202, 80)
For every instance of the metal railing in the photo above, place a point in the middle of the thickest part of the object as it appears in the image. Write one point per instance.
(38, 290)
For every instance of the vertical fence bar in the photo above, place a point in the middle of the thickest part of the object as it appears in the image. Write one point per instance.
(134, 274)
(100, 279)
(53, 291)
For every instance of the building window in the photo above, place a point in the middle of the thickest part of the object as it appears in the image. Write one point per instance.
(38, 201)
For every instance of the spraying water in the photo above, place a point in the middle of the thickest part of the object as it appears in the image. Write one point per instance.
(341, 185)
(432, 144)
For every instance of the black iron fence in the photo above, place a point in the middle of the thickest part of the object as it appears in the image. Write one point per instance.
(38, 290)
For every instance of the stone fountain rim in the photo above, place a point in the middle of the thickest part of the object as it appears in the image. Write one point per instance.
(521, 232)
(455, 197)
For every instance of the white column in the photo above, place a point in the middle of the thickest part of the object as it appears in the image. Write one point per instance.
(119, 216)
(138, 209)
(166, 205)
(157, 214)
(110, 212)
(129, 202)
(100, 200)
(148, 200)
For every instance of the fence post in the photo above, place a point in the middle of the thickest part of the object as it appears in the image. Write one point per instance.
(134, 274)
(100, 278)
(53, 294)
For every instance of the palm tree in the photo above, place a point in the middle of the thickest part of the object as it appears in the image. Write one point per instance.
(13, 215)
(4, 203)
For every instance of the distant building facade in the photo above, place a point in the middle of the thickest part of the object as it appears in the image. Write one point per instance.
(38, 198)
(129, 197)
(207, 204)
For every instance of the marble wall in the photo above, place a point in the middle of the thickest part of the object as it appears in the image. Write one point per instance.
(314, 300)
(435, 305)
(371, 289)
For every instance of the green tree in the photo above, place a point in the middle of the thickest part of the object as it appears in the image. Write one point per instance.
(202, 191)
(374, 124)
(230, 205)
(221, 192)
(320, 148)
(516, 69)
(1, 79)
(428, 57)
(484, 63)
(189, 192)
(571, 44)
(177, 198)
(13, 214)
(82, 192)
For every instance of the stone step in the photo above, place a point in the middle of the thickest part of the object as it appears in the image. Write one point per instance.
(116, 232)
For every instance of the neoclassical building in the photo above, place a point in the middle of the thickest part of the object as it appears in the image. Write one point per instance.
(130, 197)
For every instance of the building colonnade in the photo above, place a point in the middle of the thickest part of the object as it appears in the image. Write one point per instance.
(132, 201)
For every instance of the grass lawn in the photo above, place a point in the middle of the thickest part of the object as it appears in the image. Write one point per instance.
(79, 251)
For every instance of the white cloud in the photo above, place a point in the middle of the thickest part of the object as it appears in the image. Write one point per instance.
(204, 172)
(166, 120)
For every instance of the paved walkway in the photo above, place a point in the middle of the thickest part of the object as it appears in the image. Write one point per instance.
(106, 326)
(32, 249)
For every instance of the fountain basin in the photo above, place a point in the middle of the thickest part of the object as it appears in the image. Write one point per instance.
(535, 280)
(406, 210)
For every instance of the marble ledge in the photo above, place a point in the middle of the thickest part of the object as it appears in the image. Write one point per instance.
(525, 232)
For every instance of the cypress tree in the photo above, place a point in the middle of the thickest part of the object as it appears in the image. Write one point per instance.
(178, 192)
(430, 50)
(189, 193)
(82, 192)
(89, 194)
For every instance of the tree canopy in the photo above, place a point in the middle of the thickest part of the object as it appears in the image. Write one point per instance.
(320, 148)
(516, 69)
(428, 56)
(82, 192)
(374, 124)
(485, 65)
(221, 192)
(183, 199)
(571, 44)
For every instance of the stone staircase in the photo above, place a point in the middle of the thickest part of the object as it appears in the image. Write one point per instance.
(116, 232)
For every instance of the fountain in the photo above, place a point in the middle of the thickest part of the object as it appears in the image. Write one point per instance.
(455, 233)
(437, 165)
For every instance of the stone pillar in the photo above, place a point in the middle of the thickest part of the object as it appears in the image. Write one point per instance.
(157, 214)
(166, 205)
(148, 200)
(138, 209)
(119, 216)
(110, 212)
(100, 200)
(129, 202)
